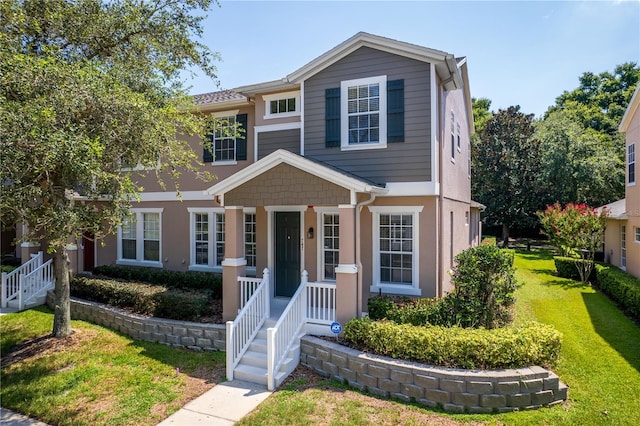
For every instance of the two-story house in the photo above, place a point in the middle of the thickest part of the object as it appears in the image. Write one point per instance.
(622, 236)
(355, 168)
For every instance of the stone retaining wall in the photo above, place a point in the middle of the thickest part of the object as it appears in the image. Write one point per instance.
(193, 335)
(455, 390)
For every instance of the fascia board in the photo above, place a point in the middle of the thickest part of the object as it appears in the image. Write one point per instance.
(631, 110)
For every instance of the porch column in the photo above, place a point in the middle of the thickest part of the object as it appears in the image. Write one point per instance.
(347, 270)
(234, 263)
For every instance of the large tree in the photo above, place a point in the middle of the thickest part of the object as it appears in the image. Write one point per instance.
(506, 165)
(85, 87)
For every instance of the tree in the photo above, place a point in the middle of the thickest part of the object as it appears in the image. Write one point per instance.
(506, 163)
(481, 112)
(577, 231)
(579, 165)
(85, 87)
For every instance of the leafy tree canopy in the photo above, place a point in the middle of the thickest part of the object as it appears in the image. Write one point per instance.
(86, 87)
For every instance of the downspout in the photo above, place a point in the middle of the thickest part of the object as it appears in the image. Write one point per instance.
(359, 207)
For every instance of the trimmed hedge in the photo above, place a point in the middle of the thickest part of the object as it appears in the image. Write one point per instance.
(145, 299)
(404, 310)
(512, 347)
(175, 279)
(566, 267)
(621, 287)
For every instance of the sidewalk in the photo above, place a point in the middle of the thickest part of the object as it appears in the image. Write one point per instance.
(9, 418)
(223, 405)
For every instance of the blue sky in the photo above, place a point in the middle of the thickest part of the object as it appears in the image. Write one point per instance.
(519, 53)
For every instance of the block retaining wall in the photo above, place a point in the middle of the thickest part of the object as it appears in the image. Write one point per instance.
(192, 335)
(455, 390)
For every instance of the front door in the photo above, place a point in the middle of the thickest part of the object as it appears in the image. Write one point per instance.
(89, 251)
(287, 250)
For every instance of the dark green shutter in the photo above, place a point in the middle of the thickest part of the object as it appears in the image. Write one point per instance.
(241, 139)
(207, 154)
(332, 117)
(395, 111)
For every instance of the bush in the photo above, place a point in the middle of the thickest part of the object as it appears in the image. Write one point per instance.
(404, 310)
(567, 268)
(145, 299)
(488, 241)
(175, 279)
(511, 347)
(621, 287)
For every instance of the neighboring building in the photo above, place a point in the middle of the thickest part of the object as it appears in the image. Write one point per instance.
(355, 168)
(622, 236)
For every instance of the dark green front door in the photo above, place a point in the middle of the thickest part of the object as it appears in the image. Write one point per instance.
(287, 265)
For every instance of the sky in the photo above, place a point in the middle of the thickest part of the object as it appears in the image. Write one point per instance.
(523, 53)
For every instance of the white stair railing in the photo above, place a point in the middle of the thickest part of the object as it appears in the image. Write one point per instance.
(242, 330)
(248, 286)
(283, 335)
(36, 283)
(11, 288)
(321, 303)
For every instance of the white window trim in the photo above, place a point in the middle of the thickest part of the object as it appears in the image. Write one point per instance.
(138, 212)
(210, 212)
(401, 289)
(344, 114)
(225, 114)
(635, 162)
(250, 210)
(277, 96)
(636, 234)
(320, 211)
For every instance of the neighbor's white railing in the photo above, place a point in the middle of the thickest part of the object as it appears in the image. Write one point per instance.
(11, 281)
(242, 330)
(248, 286)
(35, 283)
(282, 336)
(321, 303)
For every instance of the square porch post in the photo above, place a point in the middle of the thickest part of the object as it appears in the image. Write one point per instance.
(347, 270)
(234, 263)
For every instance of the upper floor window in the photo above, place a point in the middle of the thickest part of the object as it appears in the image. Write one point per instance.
(227, 141)
(363, 113)
(631, 163)
(453, 136)
(139, 238)
(282, 105)
(458, 137)
(637, 234)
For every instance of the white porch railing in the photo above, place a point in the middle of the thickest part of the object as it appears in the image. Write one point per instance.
(245, 327)
(321, 303)
(35, 283)
(11, 281)
(286, 331)
(248, 286)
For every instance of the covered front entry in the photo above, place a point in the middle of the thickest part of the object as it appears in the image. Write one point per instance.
(287, 253)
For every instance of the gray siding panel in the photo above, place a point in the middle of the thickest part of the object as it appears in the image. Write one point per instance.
(408, 161)
(269, 142)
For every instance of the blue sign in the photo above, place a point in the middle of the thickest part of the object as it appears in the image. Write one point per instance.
(336, 328)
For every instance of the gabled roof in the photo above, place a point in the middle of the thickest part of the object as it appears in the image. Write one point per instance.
(445, 63)
(615, 210)
(283, 156)
(221, 98)
(632, 109)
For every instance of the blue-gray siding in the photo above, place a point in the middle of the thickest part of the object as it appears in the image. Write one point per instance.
(269, 142)
(408, 161)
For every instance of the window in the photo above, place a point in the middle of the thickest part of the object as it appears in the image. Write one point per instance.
(330, 245)
(207, 238)
(637, 234)
(364, 113)
(623, 247)
(139, 238)
(453, 136)
(227, 140)
(250, 239)
(458, 136)
(631, 161)
(282, 105)
(395, 237)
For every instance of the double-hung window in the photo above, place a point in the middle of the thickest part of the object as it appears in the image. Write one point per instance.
(637, 234)
(631, 164)
(364, 113)
(250, 238)
(139, 238)
(207, 238)
(395, 245)
(227, 141)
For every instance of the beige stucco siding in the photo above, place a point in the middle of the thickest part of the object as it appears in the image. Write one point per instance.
(285, 185)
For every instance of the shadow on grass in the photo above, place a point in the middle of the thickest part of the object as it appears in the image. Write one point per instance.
(622, 334)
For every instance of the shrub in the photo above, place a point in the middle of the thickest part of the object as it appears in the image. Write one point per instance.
(175, 279)
(404, 310)
(142, 298)
(567, 268)
(621, 287)
(511, 347)
(7, 268)
(510, 254)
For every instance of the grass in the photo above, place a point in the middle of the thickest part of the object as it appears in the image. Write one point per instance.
(96, 376)
(600, 362)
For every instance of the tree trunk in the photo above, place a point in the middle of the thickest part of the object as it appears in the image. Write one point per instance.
(62, 309)
(505, 235)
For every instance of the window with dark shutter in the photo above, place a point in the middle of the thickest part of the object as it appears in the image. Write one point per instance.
(332, 117)
(395, 111)
(241, 139)
(207, 154)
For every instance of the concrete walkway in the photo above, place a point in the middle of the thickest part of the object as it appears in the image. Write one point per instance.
(10, 418)
(223, 405)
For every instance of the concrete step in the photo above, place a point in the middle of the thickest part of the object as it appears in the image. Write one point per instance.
(251, 374)
(258, 345)
(256, 359)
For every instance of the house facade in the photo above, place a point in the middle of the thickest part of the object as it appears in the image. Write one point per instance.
(622, 236)
(354, 168)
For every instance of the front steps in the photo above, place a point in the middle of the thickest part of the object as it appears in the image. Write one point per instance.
(37, 300)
